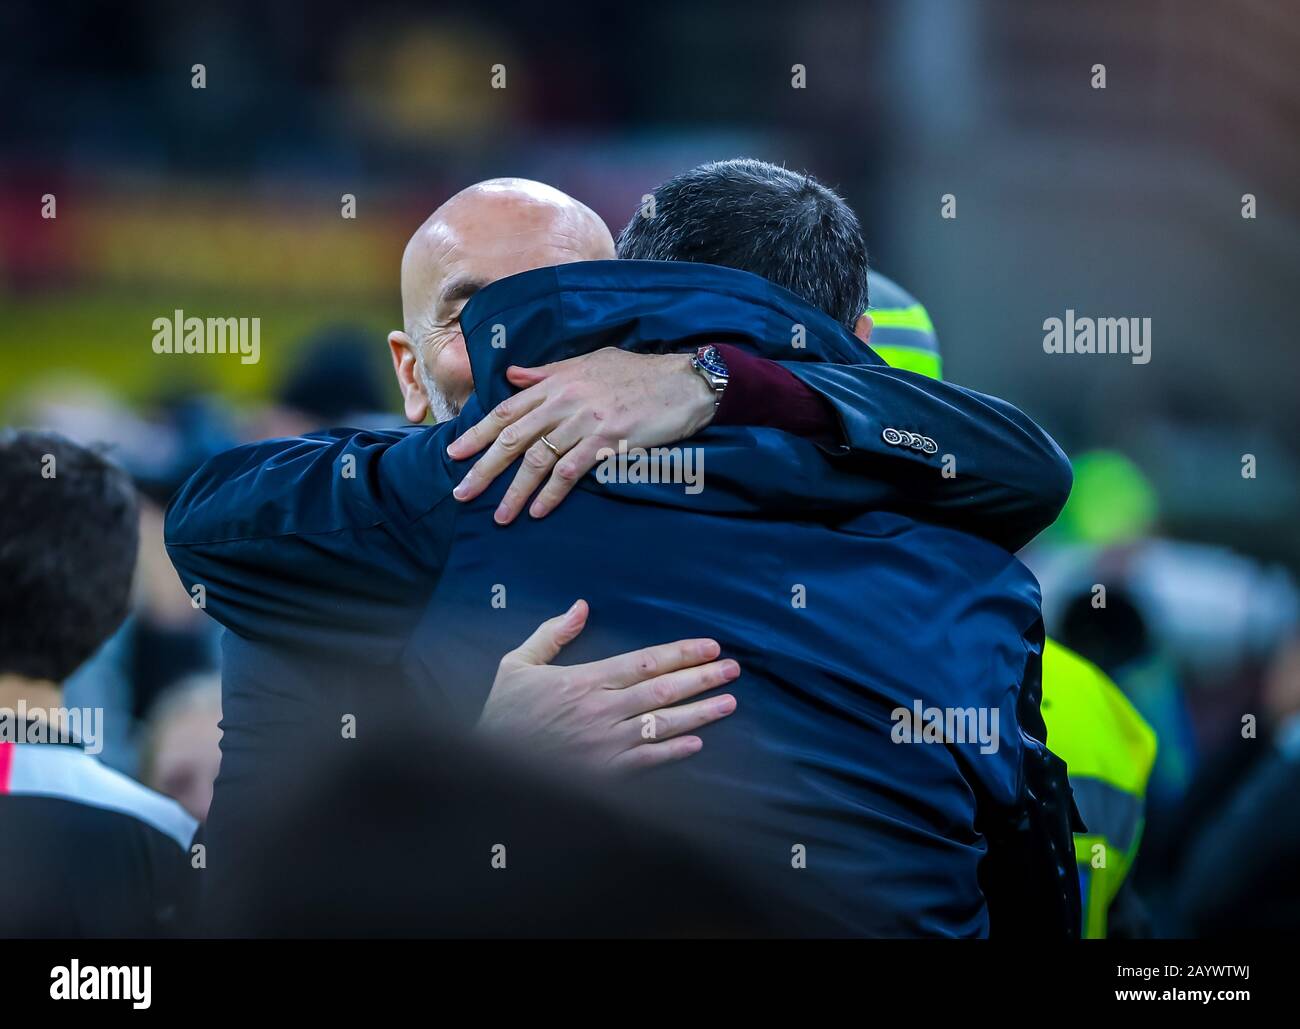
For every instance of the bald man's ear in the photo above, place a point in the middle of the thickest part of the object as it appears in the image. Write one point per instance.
(415, 402)
(862, 328)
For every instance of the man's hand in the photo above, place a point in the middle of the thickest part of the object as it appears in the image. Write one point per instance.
(581, 405)
(612, 715)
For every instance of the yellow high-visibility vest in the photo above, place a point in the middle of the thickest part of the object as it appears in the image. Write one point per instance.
(903, 335)
(1109, 750)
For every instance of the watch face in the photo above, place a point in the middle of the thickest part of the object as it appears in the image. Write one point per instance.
(710, 359)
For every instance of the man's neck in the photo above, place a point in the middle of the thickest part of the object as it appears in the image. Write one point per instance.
(36, 694)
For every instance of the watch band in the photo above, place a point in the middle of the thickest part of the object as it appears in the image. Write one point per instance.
(710, 366)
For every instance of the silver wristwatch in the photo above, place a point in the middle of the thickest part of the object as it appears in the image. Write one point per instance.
(709, 363)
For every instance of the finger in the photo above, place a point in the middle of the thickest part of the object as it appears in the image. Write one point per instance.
(666, 690)
(569, 469)
(650, 755)
(545, 371)
(517, 376)
(667, 722)
(489, 427)
(639, 665)
(538, 461)
(512, 441)
(549, 638)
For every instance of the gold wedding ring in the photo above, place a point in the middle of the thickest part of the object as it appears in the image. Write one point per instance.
(551, 446)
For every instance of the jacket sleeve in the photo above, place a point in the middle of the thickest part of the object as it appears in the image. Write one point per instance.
(991, 470)
(325, 541)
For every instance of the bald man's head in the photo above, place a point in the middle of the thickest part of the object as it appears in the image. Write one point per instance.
(491, 230)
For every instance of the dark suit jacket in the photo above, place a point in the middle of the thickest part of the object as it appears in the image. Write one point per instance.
(345, 551)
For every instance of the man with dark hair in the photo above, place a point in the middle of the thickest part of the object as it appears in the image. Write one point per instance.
(68, 540)
(748, 214)
(84, 851)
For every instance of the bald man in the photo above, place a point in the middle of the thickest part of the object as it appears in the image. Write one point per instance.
(485, 232)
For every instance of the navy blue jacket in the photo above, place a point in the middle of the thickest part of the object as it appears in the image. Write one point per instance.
(347, 547)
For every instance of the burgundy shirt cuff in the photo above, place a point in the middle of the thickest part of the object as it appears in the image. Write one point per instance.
(761, 393)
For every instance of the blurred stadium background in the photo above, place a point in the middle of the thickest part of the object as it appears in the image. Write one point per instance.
(1125, 201)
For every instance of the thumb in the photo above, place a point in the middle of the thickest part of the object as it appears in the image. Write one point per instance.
(549, 638)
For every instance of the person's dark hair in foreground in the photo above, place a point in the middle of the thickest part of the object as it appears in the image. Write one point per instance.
(84, 851)
(418, 831)
(748, 214)
(68, 539)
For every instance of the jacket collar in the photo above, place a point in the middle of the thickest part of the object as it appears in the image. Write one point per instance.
(552, 314)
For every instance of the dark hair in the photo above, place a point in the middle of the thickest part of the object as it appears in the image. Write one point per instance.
(68, 540)
(751, 215)
(408, 820)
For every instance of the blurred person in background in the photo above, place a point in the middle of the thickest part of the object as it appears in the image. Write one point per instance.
(1110, 751)
(166, 637)
(1234, 846)
(1184, 628)
(1090, 567)
(181, 750)
(1116, 637)
(84, 851)
(332, 381)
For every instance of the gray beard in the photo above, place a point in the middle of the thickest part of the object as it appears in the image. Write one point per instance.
(442, 406)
